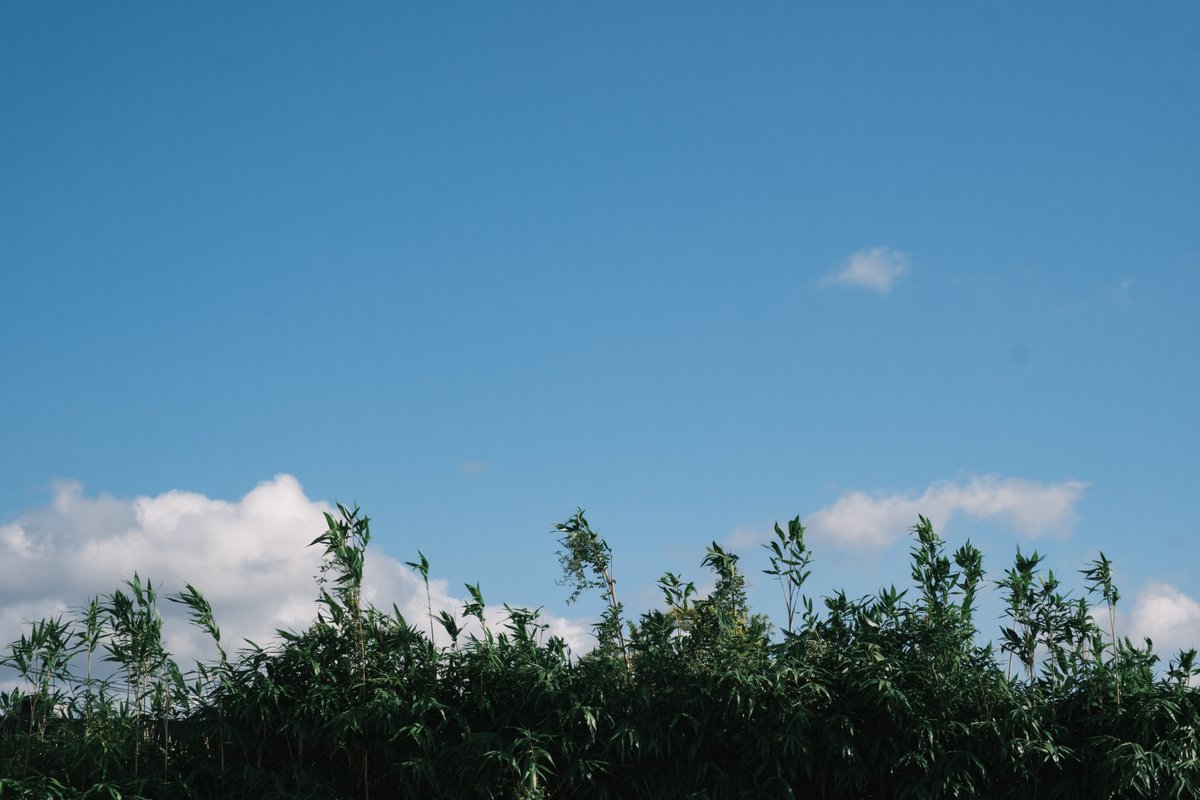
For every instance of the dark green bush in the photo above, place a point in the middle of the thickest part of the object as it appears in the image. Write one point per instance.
(885, 696)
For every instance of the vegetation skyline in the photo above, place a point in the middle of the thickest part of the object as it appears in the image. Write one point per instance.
(879, 697)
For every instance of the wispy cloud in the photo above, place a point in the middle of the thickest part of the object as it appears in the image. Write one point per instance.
(875, 268)
(875, 520)
(249, 557)
(474, 468)
(745, 536)
(1123, 293)
(1168, 616)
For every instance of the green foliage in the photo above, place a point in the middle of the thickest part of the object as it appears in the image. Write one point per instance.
(875, 697)
(586, 561)
(789, 564)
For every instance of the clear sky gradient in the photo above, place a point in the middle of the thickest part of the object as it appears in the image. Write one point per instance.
(692, 266)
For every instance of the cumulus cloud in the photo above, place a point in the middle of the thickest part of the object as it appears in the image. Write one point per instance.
(1168, 616)
(875, 268)
(250, 559)
(864, 520)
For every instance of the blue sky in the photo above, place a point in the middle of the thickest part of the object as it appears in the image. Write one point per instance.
(692, 267)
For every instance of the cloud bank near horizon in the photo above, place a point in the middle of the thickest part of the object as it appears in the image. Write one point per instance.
(250, 559)
(876, 520)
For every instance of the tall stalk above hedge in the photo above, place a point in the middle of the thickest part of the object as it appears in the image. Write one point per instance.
(586, 561)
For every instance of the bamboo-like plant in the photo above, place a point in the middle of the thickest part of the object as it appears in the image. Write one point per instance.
(586, 561)
(1100, 581)
(200, 613)
(876, 697)
(135, 643)
(421, 567)
(789, 557)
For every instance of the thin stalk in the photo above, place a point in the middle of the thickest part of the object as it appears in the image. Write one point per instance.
(612, 599)
(1112, 626)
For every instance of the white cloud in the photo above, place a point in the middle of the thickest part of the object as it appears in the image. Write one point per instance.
(875, 268)
(861, 520)
(250, 559)
(745, 536)
(1168, 616)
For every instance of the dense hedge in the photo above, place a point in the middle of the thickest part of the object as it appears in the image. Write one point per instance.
(890, 696)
